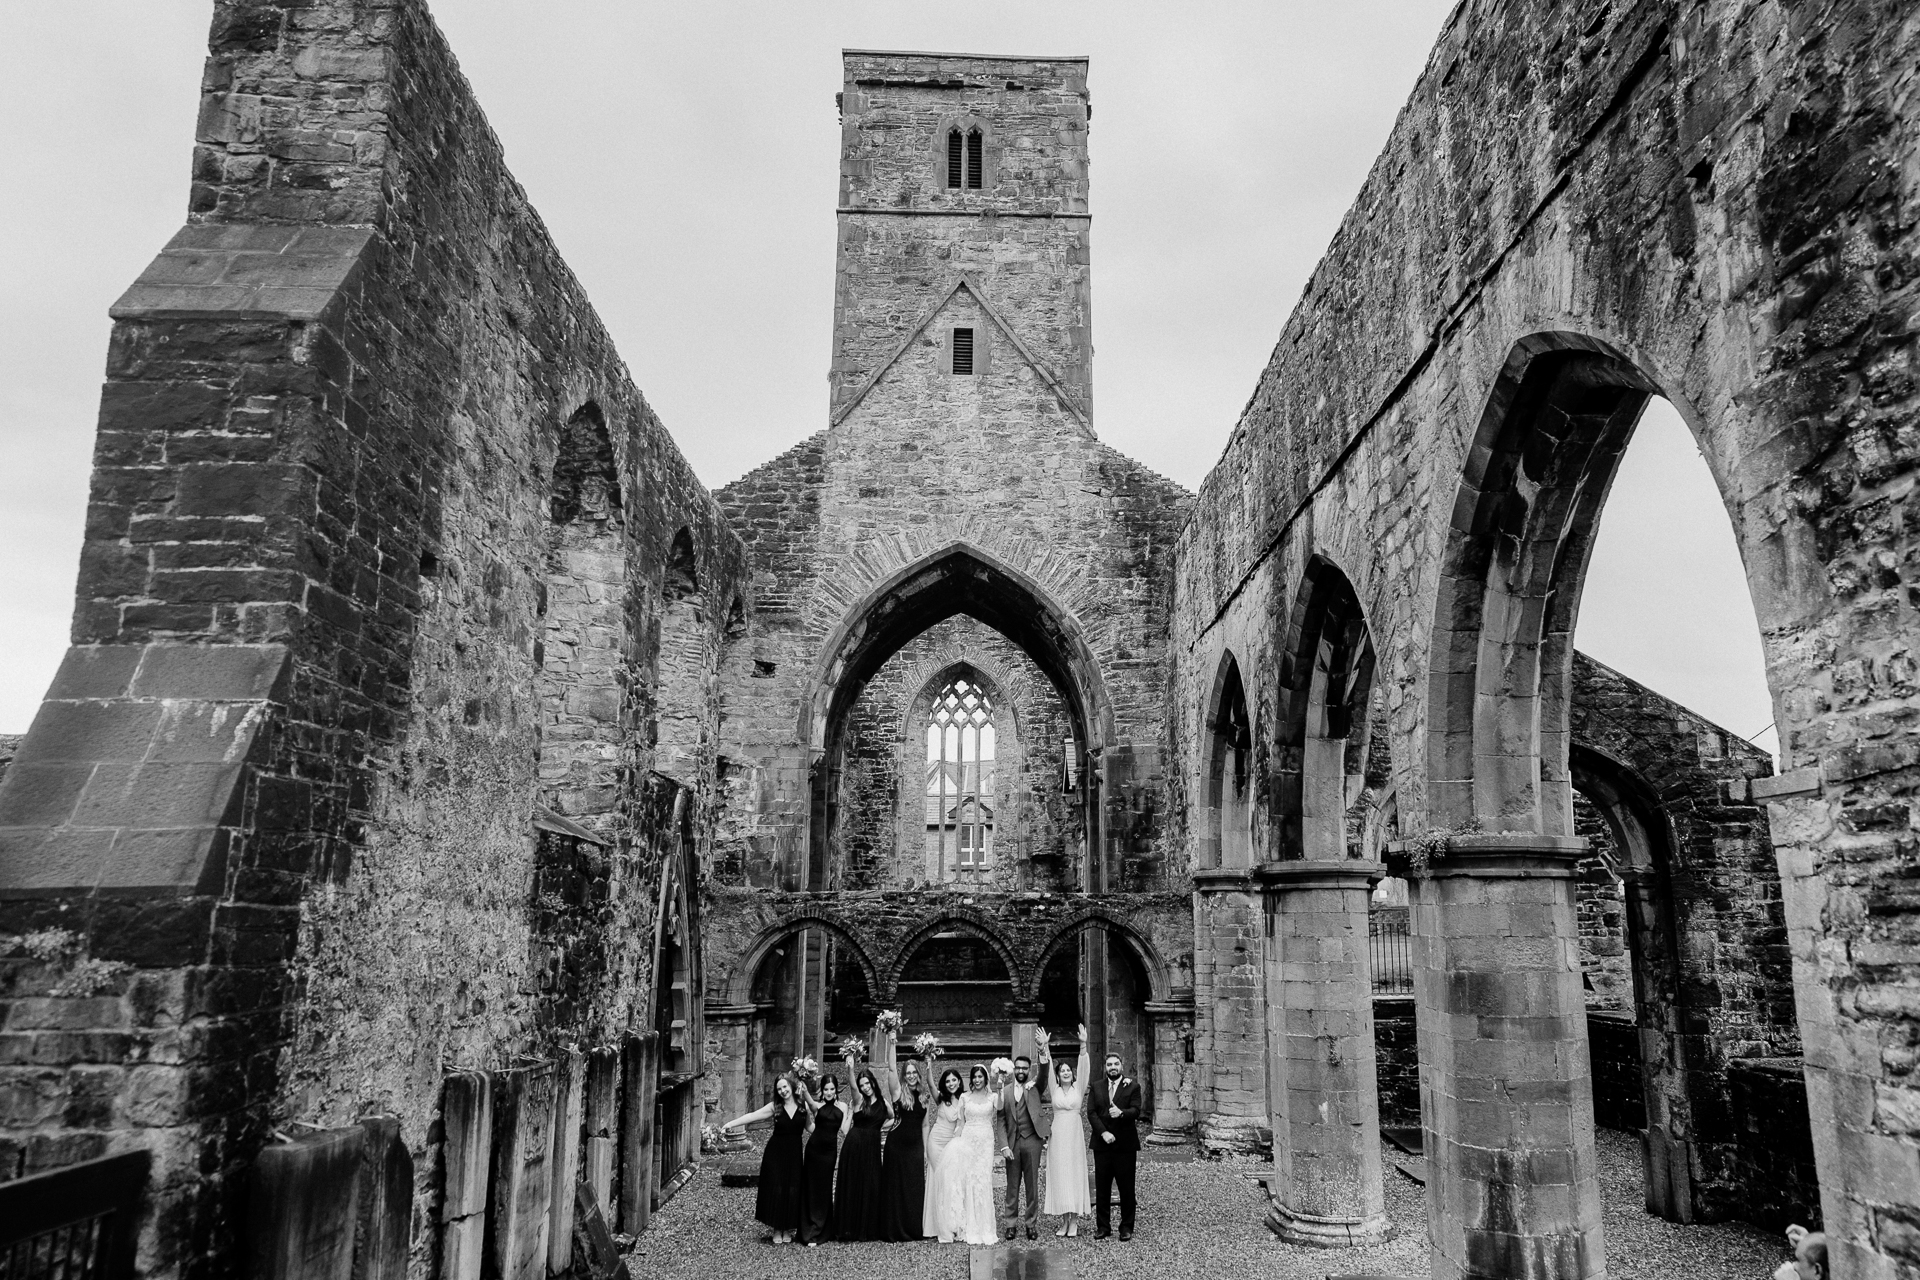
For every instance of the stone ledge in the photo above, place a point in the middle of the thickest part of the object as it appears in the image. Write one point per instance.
(245, 270)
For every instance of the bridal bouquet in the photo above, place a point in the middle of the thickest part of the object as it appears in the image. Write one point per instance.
(889, 1021)
(853, 1047)
(927, 1045)
(804, 1067)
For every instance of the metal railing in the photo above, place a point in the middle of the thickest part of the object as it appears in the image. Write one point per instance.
(77, 1223)
(1390, 953)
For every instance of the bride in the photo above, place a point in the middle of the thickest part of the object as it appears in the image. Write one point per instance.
(960, 1190)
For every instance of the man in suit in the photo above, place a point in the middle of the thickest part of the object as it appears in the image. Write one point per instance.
(1113, 1107)
(1020, 1125)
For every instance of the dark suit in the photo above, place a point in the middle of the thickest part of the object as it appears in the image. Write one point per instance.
(1021, 1128)
(1114, 1161)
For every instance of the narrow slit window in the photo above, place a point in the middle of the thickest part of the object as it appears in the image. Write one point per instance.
(953, 158)
(973, 160)
(963, 351)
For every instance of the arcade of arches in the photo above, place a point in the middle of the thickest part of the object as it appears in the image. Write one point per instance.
(437, 743)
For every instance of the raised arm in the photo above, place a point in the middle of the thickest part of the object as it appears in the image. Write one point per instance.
(752, 1117)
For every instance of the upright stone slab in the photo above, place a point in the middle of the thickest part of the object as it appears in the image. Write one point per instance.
(601, 1124)
(304, 1206)
(386, 1201)
(1513, 1188)
(1326, 1106)
(638, 1092)
(522, 1171)
(568, 1100)
(1173, 1070)
(466, 1118)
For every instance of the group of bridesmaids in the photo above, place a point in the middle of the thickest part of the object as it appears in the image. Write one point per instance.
(891, 1183)
(882, 1185)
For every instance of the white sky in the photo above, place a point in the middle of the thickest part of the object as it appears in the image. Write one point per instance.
(684, 157)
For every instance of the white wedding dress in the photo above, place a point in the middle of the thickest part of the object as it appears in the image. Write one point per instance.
(960, 1195)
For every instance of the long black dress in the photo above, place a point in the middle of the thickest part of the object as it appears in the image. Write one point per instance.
(903, 1175)
(816, 1223)
(782, 1179)
(856, 1204)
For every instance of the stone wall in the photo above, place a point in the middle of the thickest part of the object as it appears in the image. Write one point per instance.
(1707, 202)
(309, 633)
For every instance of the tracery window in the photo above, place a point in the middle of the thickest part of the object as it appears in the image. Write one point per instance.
(960, 753)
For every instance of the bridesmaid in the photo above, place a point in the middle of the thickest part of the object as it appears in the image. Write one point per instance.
(830, 1121)
(903, 1169)
(1067, 1145)
(943, 1125)
(857, 1203)
(782, 1176)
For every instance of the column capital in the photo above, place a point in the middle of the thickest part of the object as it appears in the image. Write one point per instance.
(1224, 880)
(1320, 873)
(718, 1011)
(1491, 855)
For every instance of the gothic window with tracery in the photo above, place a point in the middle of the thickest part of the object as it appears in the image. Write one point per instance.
(959, 789)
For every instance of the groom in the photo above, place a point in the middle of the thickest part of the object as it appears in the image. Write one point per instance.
(1113, 1106)
(1017, 1123)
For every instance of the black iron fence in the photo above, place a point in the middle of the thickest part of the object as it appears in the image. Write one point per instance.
(1390, 953)
(77, 1223)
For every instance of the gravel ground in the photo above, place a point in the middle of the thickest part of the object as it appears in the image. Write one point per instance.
(1196, 1218)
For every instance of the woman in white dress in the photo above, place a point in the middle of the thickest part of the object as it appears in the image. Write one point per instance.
(1067, 1145)
(944, 1119)
(963, 1179)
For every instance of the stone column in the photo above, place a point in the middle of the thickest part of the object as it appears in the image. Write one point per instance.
(1506, 1084)
(1025, 1016)
(730, 1065)
(1172, 1022)
(1229, 1020)
(1326, 1101)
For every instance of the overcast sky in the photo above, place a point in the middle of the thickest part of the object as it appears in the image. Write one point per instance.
(684, 157)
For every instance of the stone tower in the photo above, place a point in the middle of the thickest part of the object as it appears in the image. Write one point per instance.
(963, 206)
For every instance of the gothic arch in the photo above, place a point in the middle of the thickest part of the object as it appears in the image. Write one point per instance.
(1227, 839)
(953, 920)
(739, 984)
(1159, 982)
(1325, 704)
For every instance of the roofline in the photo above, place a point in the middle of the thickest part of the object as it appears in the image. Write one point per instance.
(981, 57)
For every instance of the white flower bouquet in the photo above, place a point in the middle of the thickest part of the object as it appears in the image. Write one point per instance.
(927, 1045)
(890, 1021)
(853, 1047)
(804, 1067)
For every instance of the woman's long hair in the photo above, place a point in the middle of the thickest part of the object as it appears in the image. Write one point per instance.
(793, 1088)
(861, 1097)
(824, 1082)
(977, 1070)
(944, 1094)
(912, 1087)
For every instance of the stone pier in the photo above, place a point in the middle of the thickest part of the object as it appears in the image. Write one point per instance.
(1513, 1188)
(1319, 1004)
(1229, 1018)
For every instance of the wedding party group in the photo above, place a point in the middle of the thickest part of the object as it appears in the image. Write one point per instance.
(907, 1160)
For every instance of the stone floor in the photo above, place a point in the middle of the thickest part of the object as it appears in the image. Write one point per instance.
(1196, 1218)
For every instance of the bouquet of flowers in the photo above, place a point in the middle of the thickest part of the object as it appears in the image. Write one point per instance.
(853, 1047)
(709, 1138)
(927, 1045)
(804, 1067)
(889, 1021)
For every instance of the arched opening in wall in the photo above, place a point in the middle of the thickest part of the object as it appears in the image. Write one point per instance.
(581, 646)
(957, 985)
(962, 581)
(1117, 1020)
(1327, 720)
(959, 787)
(809, 992)
(1500, 760)
(686, 658)
(1229, 837)
(677, 1008)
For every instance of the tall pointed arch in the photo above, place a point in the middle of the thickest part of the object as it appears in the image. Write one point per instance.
(1326, 684)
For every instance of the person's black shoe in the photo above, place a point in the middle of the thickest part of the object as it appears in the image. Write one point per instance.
(1012, 1232)
(1032, 1234)
(1125, 1234)
(1101, 1233)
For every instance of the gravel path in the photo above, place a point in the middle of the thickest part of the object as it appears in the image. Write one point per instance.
(1196, 1218)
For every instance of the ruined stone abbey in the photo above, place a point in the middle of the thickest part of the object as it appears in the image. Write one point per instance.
(447, 801)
